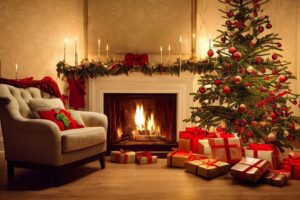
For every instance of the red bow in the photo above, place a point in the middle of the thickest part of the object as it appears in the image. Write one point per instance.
(136, 59)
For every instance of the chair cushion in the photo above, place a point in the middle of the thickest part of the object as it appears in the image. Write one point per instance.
(76, 139)
(40, 104)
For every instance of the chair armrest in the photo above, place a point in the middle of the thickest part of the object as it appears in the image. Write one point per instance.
(33, 140)
(94, 119)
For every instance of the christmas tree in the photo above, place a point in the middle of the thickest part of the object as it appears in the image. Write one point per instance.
(248, 87)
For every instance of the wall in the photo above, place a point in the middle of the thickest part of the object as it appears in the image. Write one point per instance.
(33, 32)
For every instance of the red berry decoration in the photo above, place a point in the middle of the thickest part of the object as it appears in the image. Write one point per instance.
(202, 90)
(249, 134)
(218, 82)
(274, 56)
(242, 108)
(232, 50)
(237, 56)
(261, 29)
(269, 26)
(226, 89)
(253, 123)
(228, 23)
(271, 93)
(273, 115)
(210, 53)
(282, 78)
(230, 14)
(258, 59)
(262, 70)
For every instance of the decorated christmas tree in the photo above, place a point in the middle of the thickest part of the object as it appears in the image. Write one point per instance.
(248, 88)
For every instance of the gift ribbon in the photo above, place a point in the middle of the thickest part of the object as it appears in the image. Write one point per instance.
(226, 146)
(146, 154)
(124, 155)
(178, 152)
(278, 173)
(243, 174)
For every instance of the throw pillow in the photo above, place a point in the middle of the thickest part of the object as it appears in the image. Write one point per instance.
(50, 115)
(76, 116)
(62, 117)
(73, 123)
(41, 104)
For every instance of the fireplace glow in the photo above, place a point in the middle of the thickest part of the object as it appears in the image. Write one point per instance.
(143, 125)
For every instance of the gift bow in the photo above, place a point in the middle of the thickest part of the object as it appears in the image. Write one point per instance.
(136, 59)
(146, 154)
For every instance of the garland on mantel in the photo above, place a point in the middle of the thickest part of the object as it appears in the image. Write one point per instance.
(94, 69)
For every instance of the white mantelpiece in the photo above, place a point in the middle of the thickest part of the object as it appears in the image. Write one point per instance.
(181, 85)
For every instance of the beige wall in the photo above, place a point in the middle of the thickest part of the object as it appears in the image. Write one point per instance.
(32, 35)
(139, 26)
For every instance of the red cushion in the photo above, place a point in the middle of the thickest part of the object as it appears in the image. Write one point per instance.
(50, 115)
(73, 123)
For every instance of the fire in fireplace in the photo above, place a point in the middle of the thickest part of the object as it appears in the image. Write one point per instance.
(141, 121)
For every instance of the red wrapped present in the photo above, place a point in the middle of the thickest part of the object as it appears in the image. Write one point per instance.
(145, 157)
(265, 152)
(292, 164)
(277, 177)
(122, 156)
(226, 149)
(250, 169)
(178, 158)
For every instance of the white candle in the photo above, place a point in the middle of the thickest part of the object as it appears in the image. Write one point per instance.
(169, 49)
(0, 68)
(16, 71)
(99, 50)
(107, 47)
(180, 40)
(65, 49)
(161, 50)
(76, 55)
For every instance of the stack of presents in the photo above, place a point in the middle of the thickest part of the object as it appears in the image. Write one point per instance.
(212, 154)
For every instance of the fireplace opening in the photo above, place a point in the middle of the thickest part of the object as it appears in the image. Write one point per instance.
(141, 121)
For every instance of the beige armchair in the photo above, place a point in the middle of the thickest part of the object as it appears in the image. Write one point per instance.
(38, 143)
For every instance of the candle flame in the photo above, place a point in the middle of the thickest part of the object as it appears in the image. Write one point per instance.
(107, 47)
(161, 48)
(16, 67)
(169, 47)
(99, 41)
(66, 40)
(180, 39)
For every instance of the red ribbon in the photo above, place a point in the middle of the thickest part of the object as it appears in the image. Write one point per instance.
(227, 147)
(292, 164)
(136, 59)
(278, 173)
(243, 174)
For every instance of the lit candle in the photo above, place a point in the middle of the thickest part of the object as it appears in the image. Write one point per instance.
(76, 55)
(99, 50)
(0, 68)
(180, 41)
(209, 41)
(16, 71)
(65, 49)
(161, 50)
(107, 52)
(169, 49)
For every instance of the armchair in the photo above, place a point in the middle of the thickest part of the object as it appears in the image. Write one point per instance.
(38, 143)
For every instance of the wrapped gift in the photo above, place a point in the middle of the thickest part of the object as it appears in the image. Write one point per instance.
(226, 149)
(250, 169)
(292, 164)
(211, 168)
(122, 156)
(265, 152)
(204, 147)
(277, 177)
(192, 166)
(177, 158)
(145, 158)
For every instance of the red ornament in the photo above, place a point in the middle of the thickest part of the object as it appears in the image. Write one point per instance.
(210, 53)
(271, 93)
(262, 70)
(255, 14)
(253, 123)
(274, 72)
(282, 78)
(274, 56)
(262, 89)
(253, 43)
(260, 29)
(228, 23)
(244, 71)
(269, 26)
(242, 108)
(258, 59)
(237, 79)
(249, 134)
(237, 56)
(292, 126)
(218, 82)
(232, 50)
(273, 115)
(279, 44)
(236, 24)
(202, 90)
(226, 89)
(230, 14)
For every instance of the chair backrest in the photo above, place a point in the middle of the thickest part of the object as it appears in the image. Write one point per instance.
(19, 98)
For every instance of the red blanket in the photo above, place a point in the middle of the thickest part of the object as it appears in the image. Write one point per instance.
(47, 84)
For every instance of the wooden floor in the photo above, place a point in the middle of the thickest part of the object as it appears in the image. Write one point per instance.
(135, 182)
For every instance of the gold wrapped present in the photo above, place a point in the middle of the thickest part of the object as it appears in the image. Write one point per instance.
(204, 147)
(122, 157)
(145, 158)
(184, 144)
(211, 168)
(192, 166)
(177, 158)
(264, 155)
(250, 169)
(277, 177)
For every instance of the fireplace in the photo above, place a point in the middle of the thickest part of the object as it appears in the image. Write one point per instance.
(141, 121)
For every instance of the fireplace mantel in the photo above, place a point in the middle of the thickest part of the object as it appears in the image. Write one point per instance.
(181, 85)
